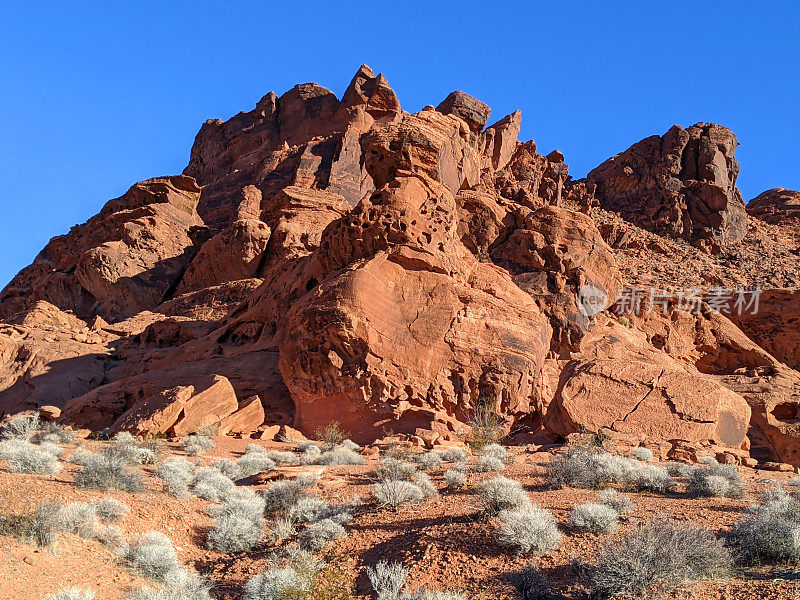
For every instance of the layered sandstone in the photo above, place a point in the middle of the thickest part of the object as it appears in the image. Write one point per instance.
(323, 259)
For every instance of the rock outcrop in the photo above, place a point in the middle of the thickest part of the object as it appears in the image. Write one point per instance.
(681, 184)
(323, 259)
(777, 206)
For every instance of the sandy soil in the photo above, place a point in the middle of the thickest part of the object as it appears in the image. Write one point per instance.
(445, 541)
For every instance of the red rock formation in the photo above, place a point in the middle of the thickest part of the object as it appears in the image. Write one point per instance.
(777, 206)
(325, 259)
(681, 184)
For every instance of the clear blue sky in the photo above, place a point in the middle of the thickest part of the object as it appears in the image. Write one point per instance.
(98, 95)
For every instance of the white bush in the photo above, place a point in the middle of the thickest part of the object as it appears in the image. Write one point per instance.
(593, 518)
(529, 530)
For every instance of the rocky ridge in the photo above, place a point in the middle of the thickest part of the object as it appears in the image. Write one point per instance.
(341, 259)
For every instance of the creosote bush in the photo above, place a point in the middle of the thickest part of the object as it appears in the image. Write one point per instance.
(529, 530)
(331, 435)
(593, 518)
(487, 427)
(660, 554)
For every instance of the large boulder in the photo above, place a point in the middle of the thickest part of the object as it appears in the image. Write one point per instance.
(681, 184)
(620, 382)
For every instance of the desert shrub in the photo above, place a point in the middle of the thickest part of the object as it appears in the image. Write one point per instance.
(129, 449)
(239, 501)
(429, 460)
(529, 530)
(502, 493)
(210, 484)
(487, 427)
(584, 468)
(643, 454)
(79, 456)
(395, 470)
(176, 473)
(679, 469)
(489, 464)
(308, 510)
(658, 554)
(393, 493)
(454, 478)
(531, 584)
(227, 467)
(108, 471)
(111, 537)
(20, 427)
(423, 594)
(299, 577)
(53, 433)
(495, 451)
(178, 585)
(713, 480)
(311, 454)
(25, 457)
(650, 478)
(331, 435)
(351, 445)
(340, 456)
(194, 444)
(283, 457)
(110, 510)
(280, 529)
(454, 454)
(281, 496)
(152, 556)
(235, 532)
(387, 579)
(424, 483)
(593, 518)
(71, 594)
(41, 527)
(81, 518)
(768, 533)
(794, 482)
(319, 535)
(613, 499)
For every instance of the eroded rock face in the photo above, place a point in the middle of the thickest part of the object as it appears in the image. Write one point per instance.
(619, 381)
(778, 206)
(681, 184)
(324, 259)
